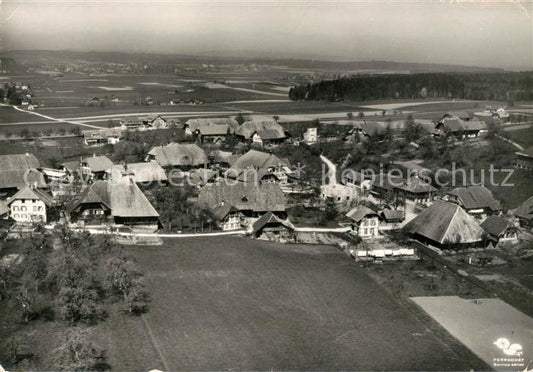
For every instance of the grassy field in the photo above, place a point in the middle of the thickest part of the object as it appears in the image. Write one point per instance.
(522, 136)
(231, 303)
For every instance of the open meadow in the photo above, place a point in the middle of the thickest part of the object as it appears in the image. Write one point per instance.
(233, 303)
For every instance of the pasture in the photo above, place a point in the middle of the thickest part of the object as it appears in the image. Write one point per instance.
(233, 303)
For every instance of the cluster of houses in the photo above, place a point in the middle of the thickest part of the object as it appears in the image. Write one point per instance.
(249, 191)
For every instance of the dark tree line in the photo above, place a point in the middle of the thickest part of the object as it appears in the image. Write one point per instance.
(506, 86)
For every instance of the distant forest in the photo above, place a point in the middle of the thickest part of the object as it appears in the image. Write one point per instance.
(508, 86)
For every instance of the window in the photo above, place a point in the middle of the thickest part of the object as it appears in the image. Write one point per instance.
(23, 209)
(366, 232)
(40, 209)
(16, 215)
(15, 208)
(371, 231)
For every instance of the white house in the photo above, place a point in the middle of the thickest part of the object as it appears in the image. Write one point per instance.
(340, 193)
(311, 135)
(30, 205)
(365, 222)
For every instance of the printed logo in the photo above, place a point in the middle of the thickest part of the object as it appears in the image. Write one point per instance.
(508, 348)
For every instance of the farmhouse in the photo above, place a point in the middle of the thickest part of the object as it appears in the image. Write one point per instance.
(141, 173)
(154, 121)
(261, 132)
(414, 189)
(447, 226)
(95, 166)
(260, 166)
(121, 203)
(524, 159)
(500, 229)
(365, 129)
(177, 155)
(150, 122)
(191, 126)
(462, 115)
(524, 213)
(478, 201)
(461, 128)
(365, 222)
(30, 205)
(99, 137)
(18, 171)
(239, 205)
(271, 227)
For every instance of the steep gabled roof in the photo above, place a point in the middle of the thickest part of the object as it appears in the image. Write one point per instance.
(28, 193)
(18, 170)
(360, 212)
(127, 200)
(271, 129)
(178, 154)
(496, 225)
(525, 210)
(258, 160)
(475, 197)
(124, 199)
(446, 223)
(270, 218)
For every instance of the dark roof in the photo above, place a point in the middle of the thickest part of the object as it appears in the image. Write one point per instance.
(269, 218)
(446, 223)
(495, 225)
(360, 212)
(475, 197)
(525, 210)
(28, 193)
(4, 209)
(243, 196)
(390, 214)
(178, 154)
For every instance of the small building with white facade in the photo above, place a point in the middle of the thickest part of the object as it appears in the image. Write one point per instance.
(30, 205)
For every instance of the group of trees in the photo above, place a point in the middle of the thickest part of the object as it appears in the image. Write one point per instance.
(508, 86)
(72, 277)
(177, 211)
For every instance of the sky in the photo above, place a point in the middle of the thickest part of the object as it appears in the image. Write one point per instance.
(486, 33)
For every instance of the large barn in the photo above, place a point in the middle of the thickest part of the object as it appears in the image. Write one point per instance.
(447, 226)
